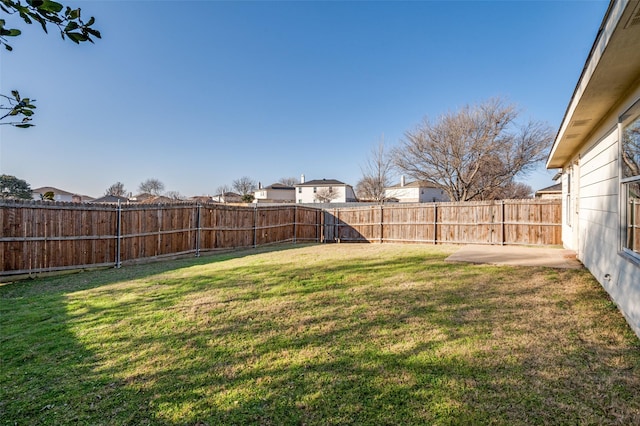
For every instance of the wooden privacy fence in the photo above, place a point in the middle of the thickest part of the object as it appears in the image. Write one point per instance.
(528, 222)
(42, 236)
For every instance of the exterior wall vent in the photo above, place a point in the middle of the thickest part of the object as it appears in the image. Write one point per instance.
(634, 19)
(578, 123)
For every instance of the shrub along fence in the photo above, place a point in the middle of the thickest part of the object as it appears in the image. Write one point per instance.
(45, 236)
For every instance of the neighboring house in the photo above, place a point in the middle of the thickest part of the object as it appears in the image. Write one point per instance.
(202, 199)
(550, 192)
(415, 192)
(152, 199)
(275, 193)
(598, 150)
(140, 197)
(227, 197)
(158, 199)
(309, 192)
(60, 195)
(111, 199)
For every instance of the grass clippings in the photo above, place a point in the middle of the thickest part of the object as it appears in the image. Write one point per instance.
(316, 335)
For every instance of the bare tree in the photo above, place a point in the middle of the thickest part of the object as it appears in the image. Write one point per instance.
(511, 191)
(631, 150)
(517, 191)
(223, 189)
(363, 189)
(473, 152)
(244, 186)
(151, 186)
(376, 174)
(288, 181)
(116, 189)
(174, 195)
(325, 195)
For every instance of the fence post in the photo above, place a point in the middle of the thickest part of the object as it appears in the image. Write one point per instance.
(381, 223)
(295, 224)
(198, 229)
(435, 224)
(255, 225)
(118, 233)
(502, 240)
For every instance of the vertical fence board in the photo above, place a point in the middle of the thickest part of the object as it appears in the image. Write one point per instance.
(41, 236)
(530, 222)
(308, 224)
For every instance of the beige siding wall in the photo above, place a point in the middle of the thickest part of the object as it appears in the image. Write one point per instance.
(275, 194)
(429, 195)
(599, 222)
(567, 214)
(416, 195)
(308, 196)
(403, 194)
(598, 208)
(305, 194)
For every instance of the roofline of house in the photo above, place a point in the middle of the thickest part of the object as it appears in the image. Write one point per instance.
(553, 188)
(414, 184)
(585, 67)
(322, 182)
(276, 188)
(591, 103)
(52, 189)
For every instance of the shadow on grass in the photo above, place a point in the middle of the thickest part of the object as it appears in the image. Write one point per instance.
(405, 339)
(68, 282)
(47, 376)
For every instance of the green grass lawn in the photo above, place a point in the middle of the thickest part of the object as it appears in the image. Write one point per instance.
(316, 335)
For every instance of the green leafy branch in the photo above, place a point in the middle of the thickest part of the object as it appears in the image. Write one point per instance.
(45, 12)
(18, 107)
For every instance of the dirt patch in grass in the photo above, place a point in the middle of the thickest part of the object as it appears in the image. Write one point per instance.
(324, 334)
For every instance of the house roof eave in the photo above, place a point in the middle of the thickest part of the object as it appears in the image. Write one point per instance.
(57, 191)
(611, 70)
(414, 184)
(322, 182)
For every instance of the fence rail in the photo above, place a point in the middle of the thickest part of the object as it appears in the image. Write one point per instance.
(43, 236)
(528, 222)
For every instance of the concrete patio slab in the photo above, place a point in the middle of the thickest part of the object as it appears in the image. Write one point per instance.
(517, 256)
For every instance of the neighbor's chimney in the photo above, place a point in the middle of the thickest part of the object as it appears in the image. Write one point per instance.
(302, 178)
(402, 181)
(259, 185)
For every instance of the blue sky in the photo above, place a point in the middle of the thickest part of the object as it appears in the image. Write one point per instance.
(199, 93)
